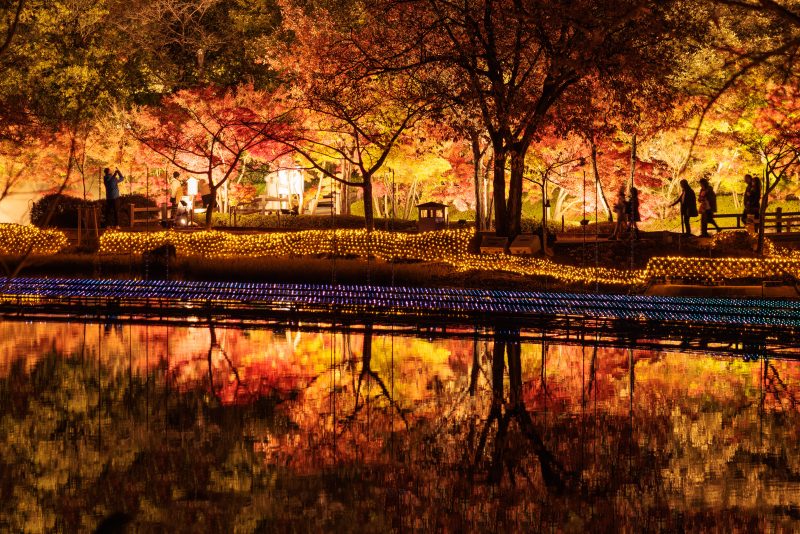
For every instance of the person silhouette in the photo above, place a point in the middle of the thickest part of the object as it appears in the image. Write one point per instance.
(688, 206)
(111, 182)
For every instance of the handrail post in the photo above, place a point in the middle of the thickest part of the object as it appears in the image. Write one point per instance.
(778, 221)
(133, 214)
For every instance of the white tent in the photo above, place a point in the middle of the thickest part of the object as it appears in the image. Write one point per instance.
(281, 186)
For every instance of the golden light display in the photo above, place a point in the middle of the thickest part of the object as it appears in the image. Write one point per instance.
(388, 246)
(17, 239)
(451, 247)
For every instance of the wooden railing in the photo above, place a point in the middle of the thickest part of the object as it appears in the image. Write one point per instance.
(777, 221)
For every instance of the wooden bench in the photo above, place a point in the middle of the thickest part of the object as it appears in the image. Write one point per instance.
(324, 206)
(493, 244)
(148, 215)
(525, 245)
(263, 205)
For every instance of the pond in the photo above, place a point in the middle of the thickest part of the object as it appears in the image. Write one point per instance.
(215, 428)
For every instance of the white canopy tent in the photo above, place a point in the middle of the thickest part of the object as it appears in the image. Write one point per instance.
(281, 186)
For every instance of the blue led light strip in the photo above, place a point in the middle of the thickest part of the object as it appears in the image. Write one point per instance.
(399, 300)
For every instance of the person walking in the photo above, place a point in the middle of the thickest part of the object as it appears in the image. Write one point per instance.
(752, 199)
(688, 206)
(620, 211)
(633, 213)
(111, 182)
(708, 206)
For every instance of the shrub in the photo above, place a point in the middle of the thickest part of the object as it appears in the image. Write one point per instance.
(65, 209)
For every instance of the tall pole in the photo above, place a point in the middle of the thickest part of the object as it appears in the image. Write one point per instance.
(596, 228)
(394, 201)
(583, 222)
(544, 212)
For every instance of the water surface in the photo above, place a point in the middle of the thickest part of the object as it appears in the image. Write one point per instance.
(208, 428)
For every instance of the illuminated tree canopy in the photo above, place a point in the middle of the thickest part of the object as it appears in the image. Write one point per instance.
(397, 102)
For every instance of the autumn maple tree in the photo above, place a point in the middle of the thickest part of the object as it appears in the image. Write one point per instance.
(771, 131)
(515, 60)
(355, 116)
(207, 132)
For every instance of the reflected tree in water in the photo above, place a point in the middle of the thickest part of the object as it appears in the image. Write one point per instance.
(368, 373)
(505, 413)
(495, 434)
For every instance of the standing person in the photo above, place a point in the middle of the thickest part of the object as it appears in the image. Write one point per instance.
(111, 181)
(175, 188)
(620, 211)
(633, 216)
(708, 206)
(205, 193)
(752, 198)
(688, 205)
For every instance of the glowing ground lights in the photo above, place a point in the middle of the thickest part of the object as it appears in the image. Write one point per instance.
(450, 247)
(17, 239)
(165, 297)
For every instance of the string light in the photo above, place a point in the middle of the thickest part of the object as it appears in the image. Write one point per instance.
(388, 246)
(450, 247)
(17, 239)
(161, 296)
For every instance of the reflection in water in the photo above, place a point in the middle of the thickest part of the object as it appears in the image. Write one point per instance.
(272, 430)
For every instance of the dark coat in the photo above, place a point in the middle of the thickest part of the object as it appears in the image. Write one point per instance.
(633, 207)
(688, 203)
(752, 197)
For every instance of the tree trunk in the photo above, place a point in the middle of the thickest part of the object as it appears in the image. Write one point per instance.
(376, 203)
(600, 193)
(515, 193)
(412, 193)
(345, 190)
(499, 182)
(369, 220)
(224, 207)
(559, 210)
(70, 163)
(633, 161)
(514, 358)
(476, 171)
(544, 213)
(318, 193)
(82, 166)
(487, 203)
(761, 212)
(210, 207)
(763, 209)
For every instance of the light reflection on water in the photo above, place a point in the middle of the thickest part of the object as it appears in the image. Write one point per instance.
(273, 430)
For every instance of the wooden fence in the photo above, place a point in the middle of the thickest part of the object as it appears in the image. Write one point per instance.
(777, 221)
